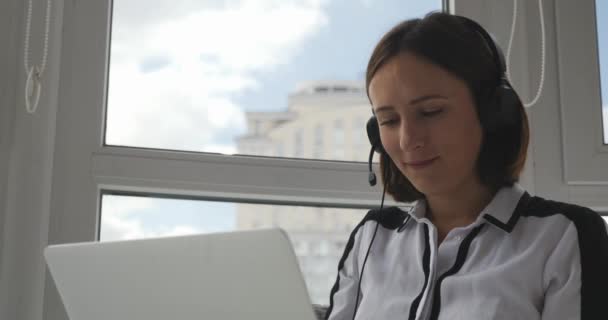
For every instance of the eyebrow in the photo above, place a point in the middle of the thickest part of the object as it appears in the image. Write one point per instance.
(414, 101)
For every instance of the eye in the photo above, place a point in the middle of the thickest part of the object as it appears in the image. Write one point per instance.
(431, 113)
(388, 122)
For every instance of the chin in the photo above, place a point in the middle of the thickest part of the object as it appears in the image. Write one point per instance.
(427, 187)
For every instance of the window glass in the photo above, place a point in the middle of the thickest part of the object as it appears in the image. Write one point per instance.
(240, 76)
(602, 34)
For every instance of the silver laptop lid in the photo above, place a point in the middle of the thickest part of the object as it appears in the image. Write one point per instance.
(236, 275)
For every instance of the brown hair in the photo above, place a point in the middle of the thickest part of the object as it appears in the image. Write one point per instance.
(446, 41)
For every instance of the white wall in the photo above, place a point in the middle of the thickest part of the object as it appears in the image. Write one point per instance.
(26, 153)
(10, 27)
(8, 64)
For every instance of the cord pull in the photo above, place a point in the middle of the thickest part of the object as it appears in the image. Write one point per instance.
(33, 84)
(32, 89)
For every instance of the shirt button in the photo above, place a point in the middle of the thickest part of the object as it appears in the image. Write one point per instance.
(458, 238)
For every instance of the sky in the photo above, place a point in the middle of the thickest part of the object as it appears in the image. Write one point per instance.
(183, 73)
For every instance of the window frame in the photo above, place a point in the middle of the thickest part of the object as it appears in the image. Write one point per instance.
(578, 54)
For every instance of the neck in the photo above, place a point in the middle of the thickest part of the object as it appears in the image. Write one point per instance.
(457, 208)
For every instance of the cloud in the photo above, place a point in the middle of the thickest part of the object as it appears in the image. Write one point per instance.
(176, 67)
(122, 220)
(147, 110)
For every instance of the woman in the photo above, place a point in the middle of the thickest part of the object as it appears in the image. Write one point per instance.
(453, 136)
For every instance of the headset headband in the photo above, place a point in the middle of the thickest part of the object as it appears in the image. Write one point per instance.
(499, 58)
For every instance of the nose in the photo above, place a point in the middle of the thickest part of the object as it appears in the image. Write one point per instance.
(411, 135)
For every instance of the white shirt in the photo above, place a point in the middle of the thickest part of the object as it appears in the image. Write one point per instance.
(523, 258)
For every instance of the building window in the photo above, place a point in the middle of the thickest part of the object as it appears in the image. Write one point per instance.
(338, 139)
(279, 149)
(323, 89)
(318, 144)
(298, 144)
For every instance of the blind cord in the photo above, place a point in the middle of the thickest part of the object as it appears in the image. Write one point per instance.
(34, 73)
(542, 64)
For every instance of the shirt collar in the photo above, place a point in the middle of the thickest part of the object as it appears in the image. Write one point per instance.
(503, 211)
(415, 211)
(505, 208)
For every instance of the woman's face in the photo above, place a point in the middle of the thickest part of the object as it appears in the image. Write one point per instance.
(426, 113)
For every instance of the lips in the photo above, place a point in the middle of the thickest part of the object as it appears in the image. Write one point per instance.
(421, 163)
(418, 165)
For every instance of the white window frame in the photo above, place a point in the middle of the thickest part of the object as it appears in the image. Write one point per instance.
(585, 154)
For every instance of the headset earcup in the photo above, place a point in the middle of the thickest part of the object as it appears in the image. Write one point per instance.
(510, 104)
(501, 109)
(373, 134)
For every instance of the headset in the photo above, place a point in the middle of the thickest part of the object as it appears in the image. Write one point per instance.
(500, 108)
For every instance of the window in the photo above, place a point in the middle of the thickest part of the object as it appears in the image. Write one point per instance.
(318, 146)
(321, 89)
(298, 144)
(338, 139)
(584, 153)
(360, 140)
(279, 150)
(257, 125)
(602, 39)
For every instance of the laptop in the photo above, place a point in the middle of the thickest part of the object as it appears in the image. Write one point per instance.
(250, 275)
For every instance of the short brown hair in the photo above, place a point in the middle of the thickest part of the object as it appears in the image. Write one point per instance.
(446, 41)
